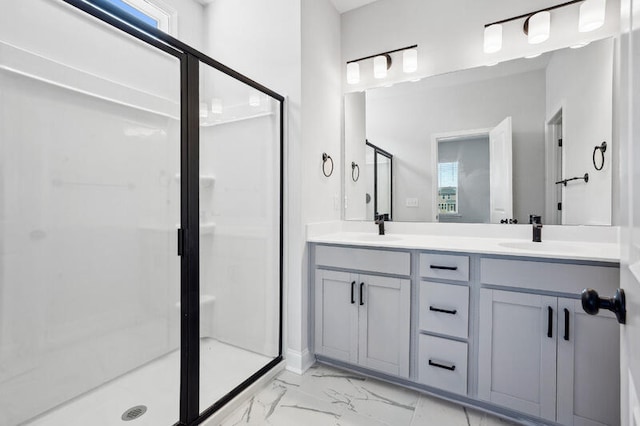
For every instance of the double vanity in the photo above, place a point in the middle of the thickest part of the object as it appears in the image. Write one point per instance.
(492, 321)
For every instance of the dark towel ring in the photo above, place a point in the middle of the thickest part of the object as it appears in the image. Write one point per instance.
(602, 148)
(326, 157)
(355, 176)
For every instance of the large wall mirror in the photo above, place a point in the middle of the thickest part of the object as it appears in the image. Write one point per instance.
(487, 145)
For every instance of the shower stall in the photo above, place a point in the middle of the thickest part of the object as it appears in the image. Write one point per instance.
(140, 222)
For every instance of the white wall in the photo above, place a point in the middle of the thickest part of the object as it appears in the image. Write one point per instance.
(580, 82)
(450, 34)
(354, 152)
(321, 132)
(402, 120)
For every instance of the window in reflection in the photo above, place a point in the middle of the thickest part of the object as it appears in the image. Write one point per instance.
(448, 188)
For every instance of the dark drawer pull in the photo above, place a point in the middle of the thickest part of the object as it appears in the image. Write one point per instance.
(451, 367)
(444, 311)
(566, 324)
(550, 322)
(445, 268)
(361, 294)
(353, 290)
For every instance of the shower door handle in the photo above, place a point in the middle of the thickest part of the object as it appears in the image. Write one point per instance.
(180, 242)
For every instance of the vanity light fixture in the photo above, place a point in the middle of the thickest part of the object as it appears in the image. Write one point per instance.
(382, 63)
(537, 24)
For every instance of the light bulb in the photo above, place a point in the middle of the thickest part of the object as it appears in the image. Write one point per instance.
(539, 27)
(493, 38)
(353, 73)
(410, 61)
(380, 67)
(591, 15)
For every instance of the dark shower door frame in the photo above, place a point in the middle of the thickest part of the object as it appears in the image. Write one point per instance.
(188, 236)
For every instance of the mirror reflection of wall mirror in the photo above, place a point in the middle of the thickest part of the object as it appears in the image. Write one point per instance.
(488, 144)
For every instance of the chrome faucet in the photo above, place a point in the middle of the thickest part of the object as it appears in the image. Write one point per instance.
(380, 222)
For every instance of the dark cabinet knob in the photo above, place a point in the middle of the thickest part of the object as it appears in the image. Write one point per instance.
(592, 303)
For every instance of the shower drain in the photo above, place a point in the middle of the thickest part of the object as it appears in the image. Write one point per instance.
(134, 412)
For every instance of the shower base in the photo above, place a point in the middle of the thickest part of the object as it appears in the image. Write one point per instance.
(156, 386)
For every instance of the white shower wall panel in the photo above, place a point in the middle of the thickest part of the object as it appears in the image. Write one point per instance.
(239, 261)
(89, 203)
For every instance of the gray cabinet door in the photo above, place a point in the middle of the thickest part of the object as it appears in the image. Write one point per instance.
(588, 366)
(384, 329)
(517, 358)
(336, 315)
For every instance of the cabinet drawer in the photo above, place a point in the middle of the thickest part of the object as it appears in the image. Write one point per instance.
(556, 277)
(444, 309)
(444, 266)
(443, 364)
(384, 261)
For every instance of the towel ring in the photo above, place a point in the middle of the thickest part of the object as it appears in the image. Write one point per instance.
(602, 148)
(355, 176)
(326, 158)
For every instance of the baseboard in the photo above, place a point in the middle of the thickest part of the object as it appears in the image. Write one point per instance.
(299, 362)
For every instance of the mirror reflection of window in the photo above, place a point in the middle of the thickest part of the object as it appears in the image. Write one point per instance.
(448, 188)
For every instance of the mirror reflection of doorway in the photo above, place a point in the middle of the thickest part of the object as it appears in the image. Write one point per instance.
(463, 179)
(473, 175)
(379, 174)
(555, 168)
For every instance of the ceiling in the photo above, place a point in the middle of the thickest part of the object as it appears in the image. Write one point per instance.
(346, 5)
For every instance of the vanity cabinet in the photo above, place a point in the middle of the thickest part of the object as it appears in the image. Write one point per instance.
(443, 322)
(541, 354)
(508, 333)
(517, 356)
(363, 319)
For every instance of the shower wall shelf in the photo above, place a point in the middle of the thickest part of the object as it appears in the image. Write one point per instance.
(207, 123)
(205, 299)
(205, 180)
(207, 228)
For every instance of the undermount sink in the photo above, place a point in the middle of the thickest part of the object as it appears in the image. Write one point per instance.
(543, 246)
(375, 237)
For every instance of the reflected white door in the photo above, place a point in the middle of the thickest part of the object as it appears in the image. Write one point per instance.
(500, 176)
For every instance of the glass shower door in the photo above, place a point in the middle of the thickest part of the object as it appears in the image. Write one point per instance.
(89, 204)
(239, 232)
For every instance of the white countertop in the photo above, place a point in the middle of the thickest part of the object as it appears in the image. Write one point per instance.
(550, 249)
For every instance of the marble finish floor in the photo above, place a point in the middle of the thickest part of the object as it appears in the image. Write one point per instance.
(326, 396)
